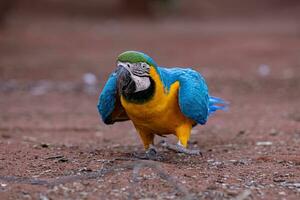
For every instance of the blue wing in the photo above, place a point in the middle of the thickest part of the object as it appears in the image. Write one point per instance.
(109, 105)
(193, 96)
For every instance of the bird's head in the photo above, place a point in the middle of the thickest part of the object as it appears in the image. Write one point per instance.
(134, 72)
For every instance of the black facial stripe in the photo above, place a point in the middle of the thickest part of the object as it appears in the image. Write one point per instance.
(141, 96)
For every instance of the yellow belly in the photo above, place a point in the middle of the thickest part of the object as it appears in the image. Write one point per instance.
(161, 115)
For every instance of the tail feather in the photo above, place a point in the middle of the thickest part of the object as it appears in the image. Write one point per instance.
(216, 103)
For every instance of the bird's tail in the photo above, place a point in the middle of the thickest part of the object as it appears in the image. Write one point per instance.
(216, 103)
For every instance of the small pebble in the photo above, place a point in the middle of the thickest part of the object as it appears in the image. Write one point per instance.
(282, 193)
(264, 143)
(3, 184)
(273, 132)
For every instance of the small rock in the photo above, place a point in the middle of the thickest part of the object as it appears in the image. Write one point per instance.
(264, 143)
(282, 193)
(297, 185)
(278, 180)
(3, 184)
(273, 132)
(291, 184)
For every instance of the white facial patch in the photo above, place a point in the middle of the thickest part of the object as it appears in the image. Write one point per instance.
(142, 83)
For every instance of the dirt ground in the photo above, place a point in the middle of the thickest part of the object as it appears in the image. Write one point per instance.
(54, 146)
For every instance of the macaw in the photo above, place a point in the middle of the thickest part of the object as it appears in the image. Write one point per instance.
(159, 101)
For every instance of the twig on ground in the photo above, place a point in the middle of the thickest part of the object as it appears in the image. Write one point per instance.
(137, 166)
(54, 157)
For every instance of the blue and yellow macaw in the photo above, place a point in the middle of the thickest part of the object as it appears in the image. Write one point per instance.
(157, 100)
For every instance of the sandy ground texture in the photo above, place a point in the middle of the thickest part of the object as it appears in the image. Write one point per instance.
(54, 146)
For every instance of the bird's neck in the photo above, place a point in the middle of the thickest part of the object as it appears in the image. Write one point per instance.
(141, 96)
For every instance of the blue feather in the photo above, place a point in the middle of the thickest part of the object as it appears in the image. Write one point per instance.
(216, 100)
(216, 103)
(107, 98)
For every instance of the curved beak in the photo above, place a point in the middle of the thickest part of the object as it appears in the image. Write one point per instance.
(124, 66)
(124, 78)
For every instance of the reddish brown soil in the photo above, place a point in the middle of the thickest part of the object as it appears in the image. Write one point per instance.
(53, 145)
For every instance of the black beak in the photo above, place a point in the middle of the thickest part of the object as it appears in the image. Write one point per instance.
(125, 82)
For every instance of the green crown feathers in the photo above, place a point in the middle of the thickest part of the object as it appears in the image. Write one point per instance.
(135, 57)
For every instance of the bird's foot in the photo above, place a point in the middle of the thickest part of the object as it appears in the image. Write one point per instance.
(180, 149)
(150, 154)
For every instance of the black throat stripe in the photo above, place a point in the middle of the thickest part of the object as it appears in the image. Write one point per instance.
(141, 96)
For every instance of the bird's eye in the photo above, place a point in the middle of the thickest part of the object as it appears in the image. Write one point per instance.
(128, 65)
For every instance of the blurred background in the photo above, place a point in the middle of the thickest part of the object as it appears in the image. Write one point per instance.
(63, 39)
(56, 55)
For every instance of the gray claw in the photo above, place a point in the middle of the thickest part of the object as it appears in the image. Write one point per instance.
(180, 149)
(150, 154)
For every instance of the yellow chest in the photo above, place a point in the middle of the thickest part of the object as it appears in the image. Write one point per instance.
(161, 114)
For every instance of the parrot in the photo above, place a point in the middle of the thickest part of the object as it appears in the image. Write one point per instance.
(158, 101)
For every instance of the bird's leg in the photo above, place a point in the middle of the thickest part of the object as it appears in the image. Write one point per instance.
(183, 134)
(148, 140)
